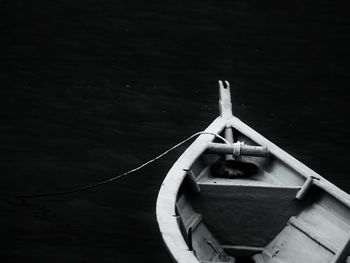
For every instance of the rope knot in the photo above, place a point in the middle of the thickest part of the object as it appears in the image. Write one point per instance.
(237, 149)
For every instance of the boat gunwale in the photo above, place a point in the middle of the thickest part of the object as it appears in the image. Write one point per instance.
(167, 196)
(290, 161)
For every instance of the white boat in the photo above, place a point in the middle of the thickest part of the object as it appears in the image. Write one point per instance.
(243, 199)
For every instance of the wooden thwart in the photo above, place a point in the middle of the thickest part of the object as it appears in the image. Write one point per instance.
(247, 150)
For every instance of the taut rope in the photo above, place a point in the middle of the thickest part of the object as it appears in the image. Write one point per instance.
(117, 177)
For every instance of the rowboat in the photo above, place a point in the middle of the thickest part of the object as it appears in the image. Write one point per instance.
(234, 196)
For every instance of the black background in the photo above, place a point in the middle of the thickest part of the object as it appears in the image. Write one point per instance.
(91, 89)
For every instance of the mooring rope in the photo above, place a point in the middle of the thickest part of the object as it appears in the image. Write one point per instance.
(90, 186)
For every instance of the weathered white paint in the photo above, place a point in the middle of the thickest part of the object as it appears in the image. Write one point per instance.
(165, 208)
(289, 160)
(322, 224)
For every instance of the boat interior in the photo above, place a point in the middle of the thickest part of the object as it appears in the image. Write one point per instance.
(259, 209)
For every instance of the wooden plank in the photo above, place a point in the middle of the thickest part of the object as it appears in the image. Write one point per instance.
(325, 220)
(242, 250)
(293, 245)
(313, 233)
(342, 253)
(245, 215)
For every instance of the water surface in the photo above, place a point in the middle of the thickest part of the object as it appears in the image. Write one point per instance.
(94, 88)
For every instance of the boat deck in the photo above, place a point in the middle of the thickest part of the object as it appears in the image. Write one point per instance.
(259, 217)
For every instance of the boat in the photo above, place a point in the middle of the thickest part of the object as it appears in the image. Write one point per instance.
(234, 196)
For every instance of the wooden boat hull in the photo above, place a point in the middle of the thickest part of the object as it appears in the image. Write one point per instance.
(285, 212)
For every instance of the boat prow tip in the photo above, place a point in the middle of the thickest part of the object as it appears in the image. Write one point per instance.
(225, 99)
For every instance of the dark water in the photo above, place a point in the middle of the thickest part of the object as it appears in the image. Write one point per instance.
(93, 88)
